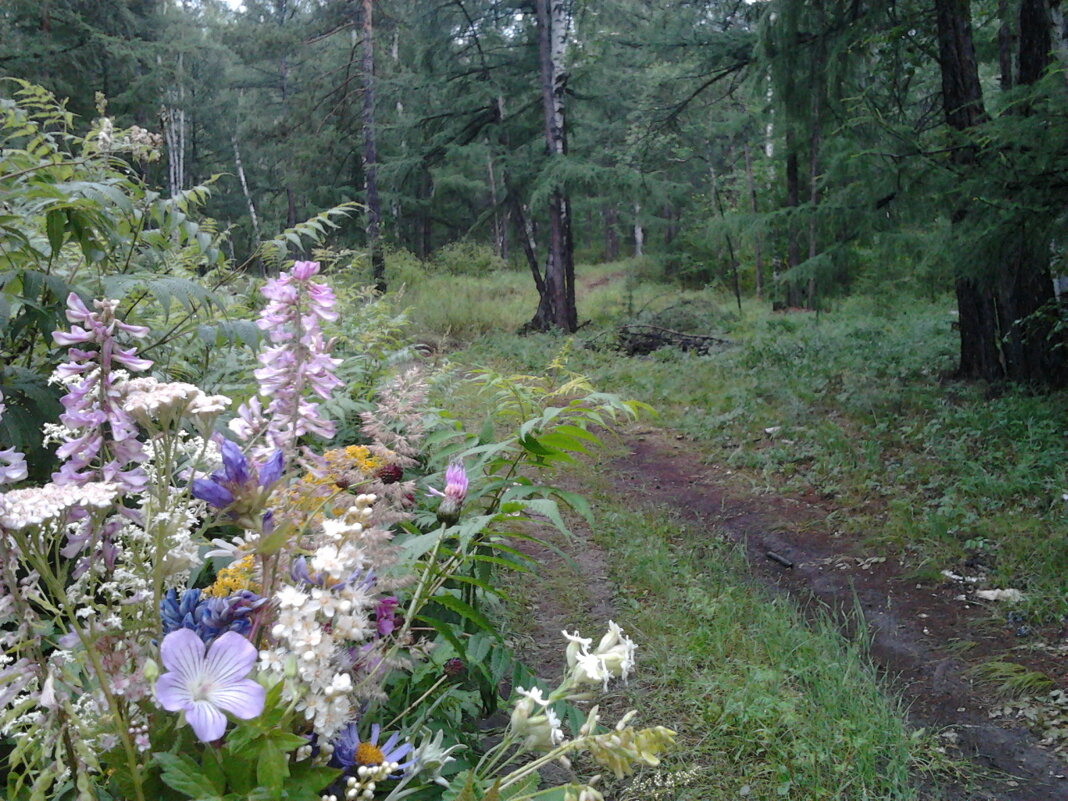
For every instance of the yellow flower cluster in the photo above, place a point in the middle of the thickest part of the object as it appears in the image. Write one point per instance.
(234, 577)
(345, 468)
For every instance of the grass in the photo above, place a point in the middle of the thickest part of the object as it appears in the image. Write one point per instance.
(766, 705)
(850, 406)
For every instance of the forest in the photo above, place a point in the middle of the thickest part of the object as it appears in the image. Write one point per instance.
(500, 400)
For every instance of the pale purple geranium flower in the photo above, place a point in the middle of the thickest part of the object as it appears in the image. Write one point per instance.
(204, 682)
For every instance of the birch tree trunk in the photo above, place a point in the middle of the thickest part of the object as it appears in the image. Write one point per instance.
(639, 232)
(174, 132)
(244, 190)
(556, 307)
(370, 152)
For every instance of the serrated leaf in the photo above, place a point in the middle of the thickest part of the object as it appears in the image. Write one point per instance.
(272, 767)
(184, 775)
(55, 222)
(466, 611)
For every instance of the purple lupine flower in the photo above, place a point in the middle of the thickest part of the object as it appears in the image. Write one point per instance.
(103, 444)
(209, 618)
(452, 499)
(241, 486)
(12, 463)
(296, 367)
(203, 682)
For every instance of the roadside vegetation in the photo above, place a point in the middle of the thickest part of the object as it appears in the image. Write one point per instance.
(851, 406)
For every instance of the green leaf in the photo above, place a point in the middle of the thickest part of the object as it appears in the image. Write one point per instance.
(465, 610)
(55, 222)
(184, 775)
(272, 767)
(307, 780)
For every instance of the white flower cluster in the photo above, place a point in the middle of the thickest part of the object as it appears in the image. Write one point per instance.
(150, 401)
(37, 506)
(353, 522)
(534, 721)
(612, 659)
(319, 622)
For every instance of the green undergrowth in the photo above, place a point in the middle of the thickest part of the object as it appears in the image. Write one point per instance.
(766, 706)
(853, 408)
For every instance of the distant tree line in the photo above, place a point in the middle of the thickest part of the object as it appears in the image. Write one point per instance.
(790, 150)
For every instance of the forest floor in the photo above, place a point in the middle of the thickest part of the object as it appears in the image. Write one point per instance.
(913, 631)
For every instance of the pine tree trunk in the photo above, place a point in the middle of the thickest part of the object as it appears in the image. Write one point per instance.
(370, 152)
(793, 200)
(1003, 332)
(611, 233)
(758, 240)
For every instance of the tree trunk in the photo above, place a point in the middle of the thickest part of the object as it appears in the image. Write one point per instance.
(639, 232)
(556, 307)
(370, 152)
(793, 201)
(611, 233)
(1006, 38)
(500, 235)
(244, 190)
(758, 240)
(726, 236)
(1003, 332)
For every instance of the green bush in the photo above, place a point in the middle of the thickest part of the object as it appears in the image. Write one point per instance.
(466, 258)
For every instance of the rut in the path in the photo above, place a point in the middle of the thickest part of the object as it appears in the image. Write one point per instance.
(910, 625)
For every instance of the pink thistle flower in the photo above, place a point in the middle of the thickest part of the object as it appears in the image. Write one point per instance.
(452, 499)
(205, 682)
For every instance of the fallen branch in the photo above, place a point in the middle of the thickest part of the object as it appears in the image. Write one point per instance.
(642, 338)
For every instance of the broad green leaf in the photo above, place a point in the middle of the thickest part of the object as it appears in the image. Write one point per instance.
(184, 775)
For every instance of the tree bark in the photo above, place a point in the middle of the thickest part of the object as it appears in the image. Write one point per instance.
(793, 200)
(639, 232)
(1003, 332)
(370, 152)
(244, 190)
(1006, 38)
(610, 216)
(556, 307)
(758, 239)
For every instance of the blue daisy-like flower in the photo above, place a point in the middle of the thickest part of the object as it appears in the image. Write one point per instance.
(352, 753)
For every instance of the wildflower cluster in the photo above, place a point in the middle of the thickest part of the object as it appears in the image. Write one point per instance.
(175, 604)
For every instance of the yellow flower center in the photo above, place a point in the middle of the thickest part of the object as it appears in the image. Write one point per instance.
(367, 754)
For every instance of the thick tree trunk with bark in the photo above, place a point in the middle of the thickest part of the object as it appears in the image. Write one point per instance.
(556, 307)
(1004, 333)
(793, 200)
(370, 151)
